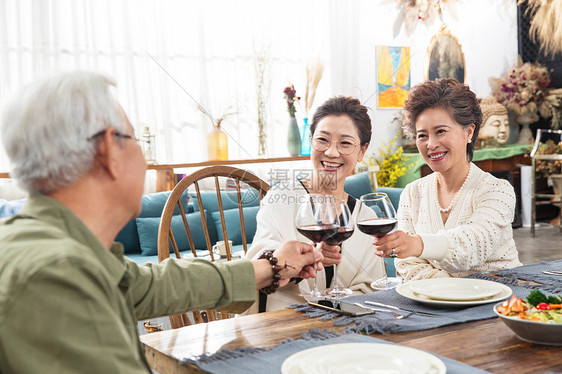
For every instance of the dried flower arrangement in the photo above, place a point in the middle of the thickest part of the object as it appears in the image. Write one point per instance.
(291, 96)
(261, 63)
(549, 167)
(413, 12)
(524, 89)
(314, 72)
(546, 24)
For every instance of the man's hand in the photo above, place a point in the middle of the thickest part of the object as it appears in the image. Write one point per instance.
(296, 259)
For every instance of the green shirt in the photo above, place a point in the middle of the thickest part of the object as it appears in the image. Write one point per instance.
(69, 305)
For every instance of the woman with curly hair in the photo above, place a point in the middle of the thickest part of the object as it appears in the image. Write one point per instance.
(457, 220)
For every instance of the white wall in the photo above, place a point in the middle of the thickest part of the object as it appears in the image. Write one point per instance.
(343, 33)
(486, 30)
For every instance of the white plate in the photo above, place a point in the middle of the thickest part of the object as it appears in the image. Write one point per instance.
(455, 289)
(368, 358)
(404, 290)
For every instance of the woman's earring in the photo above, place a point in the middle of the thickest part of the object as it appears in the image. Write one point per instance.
(469, 141)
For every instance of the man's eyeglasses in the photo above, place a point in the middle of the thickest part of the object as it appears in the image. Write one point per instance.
(345, 147)
(119, 135)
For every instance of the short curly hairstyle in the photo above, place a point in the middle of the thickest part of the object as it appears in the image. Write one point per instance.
(450, 95)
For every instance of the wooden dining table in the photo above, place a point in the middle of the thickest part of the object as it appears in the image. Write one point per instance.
(486, 344)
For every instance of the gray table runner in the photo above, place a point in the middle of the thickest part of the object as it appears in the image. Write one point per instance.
(381, 322)
(385, 322)
(259, 360)
(534, 272)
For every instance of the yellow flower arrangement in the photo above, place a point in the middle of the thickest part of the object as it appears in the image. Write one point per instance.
(391, 164)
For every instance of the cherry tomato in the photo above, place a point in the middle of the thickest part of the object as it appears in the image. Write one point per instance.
(543, 306)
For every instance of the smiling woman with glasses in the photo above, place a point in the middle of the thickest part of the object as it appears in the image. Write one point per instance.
(345, 146)
(341, 132)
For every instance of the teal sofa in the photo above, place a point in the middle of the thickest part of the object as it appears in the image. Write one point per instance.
(139, 236)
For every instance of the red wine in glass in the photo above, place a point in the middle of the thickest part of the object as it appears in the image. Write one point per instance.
(345, 230)
(318, 233)
(378, 227)
(378, 219)
(317, 220)
(342, 234)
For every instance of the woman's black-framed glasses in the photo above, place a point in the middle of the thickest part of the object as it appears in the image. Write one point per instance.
(344, 146)
(117, 134)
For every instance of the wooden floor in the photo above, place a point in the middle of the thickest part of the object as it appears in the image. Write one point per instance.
(545, 246)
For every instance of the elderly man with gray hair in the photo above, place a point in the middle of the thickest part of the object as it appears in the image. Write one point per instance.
(69, 299)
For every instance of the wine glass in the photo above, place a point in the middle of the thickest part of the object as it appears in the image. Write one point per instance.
(345, 230)
(378, 224)
(317, 219)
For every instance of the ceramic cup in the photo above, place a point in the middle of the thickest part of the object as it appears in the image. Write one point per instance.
(220, 249)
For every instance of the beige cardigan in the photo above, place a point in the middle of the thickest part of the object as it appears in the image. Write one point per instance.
(477, 236)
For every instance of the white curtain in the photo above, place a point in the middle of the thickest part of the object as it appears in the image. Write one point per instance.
(158, 49)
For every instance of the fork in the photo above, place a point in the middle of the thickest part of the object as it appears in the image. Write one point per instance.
(427, 314)
(552, 272)
(396, 315)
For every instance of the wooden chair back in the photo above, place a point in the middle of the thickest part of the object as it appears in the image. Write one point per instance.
(166, 235)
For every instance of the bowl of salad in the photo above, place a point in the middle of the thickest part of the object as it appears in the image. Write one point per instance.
(536, 319)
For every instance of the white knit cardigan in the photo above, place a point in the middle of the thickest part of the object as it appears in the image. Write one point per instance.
(477, 236)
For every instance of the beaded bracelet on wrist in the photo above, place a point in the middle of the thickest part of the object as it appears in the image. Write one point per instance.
(268, 255)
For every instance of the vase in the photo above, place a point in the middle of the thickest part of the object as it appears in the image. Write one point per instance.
(305, 138)
(217, 145)
(525, 119)
(293, 138)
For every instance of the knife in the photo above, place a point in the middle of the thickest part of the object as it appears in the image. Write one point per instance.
(402, 309)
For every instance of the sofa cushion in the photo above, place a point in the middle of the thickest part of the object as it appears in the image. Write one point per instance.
(249, 197)
(233, 229)
(129, 237)
(148, 233)
(153, 204)
(393, 194)
(358, 185)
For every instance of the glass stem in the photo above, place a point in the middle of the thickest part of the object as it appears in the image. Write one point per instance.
(315, 284)
(384, 277)
(336, 288)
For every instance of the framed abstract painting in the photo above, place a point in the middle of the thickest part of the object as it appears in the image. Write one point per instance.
(393, 75)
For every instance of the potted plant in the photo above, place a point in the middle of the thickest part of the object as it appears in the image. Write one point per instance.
(293, 137)
(390, 165)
